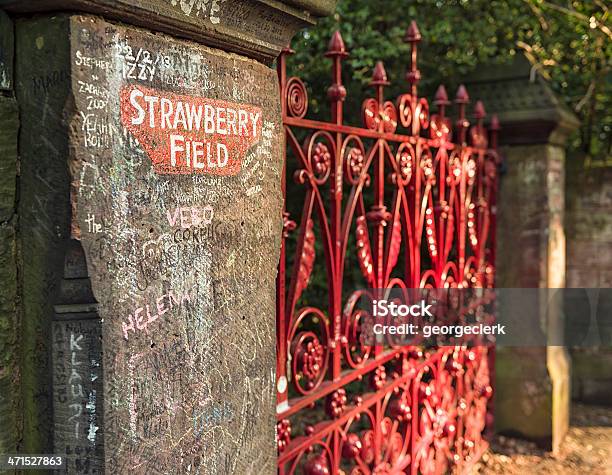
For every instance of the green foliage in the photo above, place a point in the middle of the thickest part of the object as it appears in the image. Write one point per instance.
(570, 41)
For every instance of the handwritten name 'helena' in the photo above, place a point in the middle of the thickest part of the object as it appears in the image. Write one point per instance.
(144, 316)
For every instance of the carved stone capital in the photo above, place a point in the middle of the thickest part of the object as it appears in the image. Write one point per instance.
(529, 111)
(255, 28)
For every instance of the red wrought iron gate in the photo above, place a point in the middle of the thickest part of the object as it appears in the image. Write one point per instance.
(409, 199)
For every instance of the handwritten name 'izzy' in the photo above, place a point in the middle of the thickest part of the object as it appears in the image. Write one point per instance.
(185, 134)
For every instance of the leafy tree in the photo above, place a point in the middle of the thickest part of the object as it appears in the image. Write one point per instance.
(569, 42)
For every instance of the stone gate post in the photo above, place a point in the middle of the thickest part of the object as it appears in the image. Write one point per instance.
(532, 386)
(589, 265)
(149, 228)
(9, 360)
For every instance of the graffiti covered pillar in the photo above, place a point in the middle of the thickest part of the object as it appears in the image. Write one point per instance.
(150, 210)
(532, 392)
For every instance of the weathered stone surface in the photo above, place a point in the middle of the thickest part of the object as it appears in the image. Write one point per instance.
(317, 7)
(527, 107)
(531, 253)
(589, 225)
(589, 265)
(9, 128)
(6, 52)
(256, 28)
(77, 392)
(78, 402)
(522, 218)
(523, 393)
(9, 368)
(42, 80)
(591, 375)
(181, 243)
(9, 324)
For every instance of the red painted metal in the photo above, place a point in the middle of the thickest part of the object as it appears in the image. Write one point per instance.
(396, 190)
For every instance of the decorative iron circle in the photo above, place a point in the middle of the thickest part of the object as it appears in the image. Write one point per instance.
(404, 106)
(309, 357)
(423, 113)
(454, 170)
(356, 321)
(440, 128)
(283, 434)
(478, 137)
(389, 117)
(470, 169)
(336, 403)
(321, 161)
(405, 163)
(296, 97)
(352, 446)
(355, 162)
(369, 112)
(427, 167)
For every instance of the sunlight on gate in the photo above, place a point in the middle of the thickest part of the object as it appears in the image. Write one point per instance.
(409, 200)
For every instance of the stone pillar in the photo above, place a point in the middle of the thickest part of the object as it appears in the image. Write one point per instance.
(532, 385)
(150, 221)
(9, 367)
(589, 265)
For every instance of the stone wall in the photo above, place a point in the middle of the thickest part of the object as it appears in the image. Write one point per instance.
(10, 405)
(150, 207)
(532, 383)
(589, 265)
(589, 224)
(140, 220)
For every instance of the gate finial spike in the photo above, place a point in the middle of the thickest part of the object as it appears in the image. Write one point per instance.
(494, 123)
(336, 45)
(413, 76)
(462, 124)
(462, 96)
(494, 128)
(379, 76)
(412, 34)
(479, 110)
(441, 98)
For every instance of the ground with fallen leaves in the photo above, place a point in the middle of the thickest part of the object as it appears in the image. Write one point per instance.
(587, 449)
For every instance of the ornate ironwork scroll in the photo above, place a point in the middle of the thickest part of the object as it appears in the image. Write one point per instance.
(407, 200)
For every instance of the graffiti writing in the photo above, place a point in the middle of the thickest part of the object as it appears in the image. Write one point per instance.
(142, 317)
(190, 216)
(184, 134)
